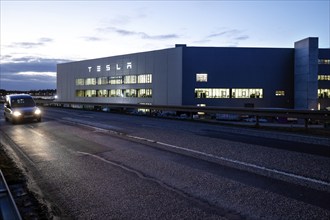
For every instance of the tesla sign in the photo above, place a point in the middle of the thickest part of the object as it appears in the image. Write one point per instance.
(109, 67)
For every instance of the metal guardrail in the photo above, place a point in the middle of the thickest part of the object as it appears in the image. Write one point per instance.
(321, 115)
(8, 208)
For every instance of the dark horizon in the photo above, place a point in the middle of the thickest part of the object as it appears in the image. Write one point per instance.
(40, 92)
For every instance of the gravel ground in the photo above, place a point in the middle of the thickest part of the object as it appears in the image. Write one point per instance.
(26, 202)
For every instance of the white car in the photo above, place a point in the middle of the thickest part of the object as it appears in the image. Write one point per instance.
(21, 107)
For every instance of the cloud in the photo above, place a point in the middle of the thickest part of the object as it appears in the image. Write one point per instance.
(142, 35)
(51, 74)
(92, 39)
(232, 37)
(159, 37)
(243, 37)
(29, 45)
(231, 33)
(26, 73)
(203, 41)
(28, 81)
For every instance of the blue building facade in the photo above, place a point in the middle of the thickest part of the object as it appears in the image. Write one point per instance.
(238, 77)
(296, 77)
(324, 78)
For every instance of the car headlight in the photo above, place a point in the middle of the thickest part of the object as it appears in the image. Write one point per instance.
(17, 113)
(37, 111)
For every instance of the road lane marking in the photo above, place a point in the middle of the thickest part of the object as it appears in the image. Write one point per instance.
(164, 184)
(292, 175)
(37, 133)
(94, 125)
(139, 174)
(262, 168)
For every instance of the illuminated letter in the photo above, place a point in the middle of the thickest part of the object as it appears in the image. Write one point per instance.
(129, 65)
(98, 68)
(89, 69)
(107, 67)
(117, 67)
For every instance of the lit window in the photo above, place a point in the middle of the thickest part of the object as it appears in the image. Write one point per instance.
(115, 80)
(323, 93)
(115, 93)
(102, 93)
(145, 93)
(80, 82)
(102, 81)
(324, 77)
(145, 78)
(324, 61)
(201, 77)
(90, 81)
(90, 93)
(131, 79)
(280, 93)
(80, 93)
(129, 92)
(247, 93)
(214, 93)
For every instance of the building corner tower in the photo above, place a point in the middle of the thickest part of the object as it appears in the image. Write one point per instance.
(305, 73)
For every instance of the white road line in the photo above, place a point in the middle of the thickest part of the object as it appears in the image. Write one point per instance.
(292, 175)
(112, 163)
(37, 133)
(248, 165)
(93, 125)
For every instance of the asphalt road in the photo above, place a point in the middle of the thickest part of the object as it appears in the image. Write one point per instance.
(94, 165)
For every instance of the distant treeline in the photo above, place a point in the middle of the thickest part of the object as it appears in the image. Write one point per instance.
(42, 92)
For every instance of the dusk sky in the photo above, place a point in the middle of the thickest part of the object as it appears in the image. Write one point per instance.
(36, 35)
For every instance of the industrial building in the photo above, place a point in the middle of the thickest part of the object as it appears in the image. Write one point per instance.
(295, 78)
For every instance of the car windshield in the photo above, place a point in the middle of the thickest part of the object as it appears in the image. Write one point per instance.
(22, 102)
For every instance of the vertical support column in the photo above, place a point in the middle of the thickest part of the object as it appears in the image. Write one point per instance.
(257, 121)
(305, 74)
(306, 123)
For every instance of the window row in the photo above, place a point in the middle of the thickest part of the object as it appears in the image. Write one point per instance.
(217, 93)
(138, 93)
(324, 77)
(202, 77)
(323, 93)
(324, 61)
(115, 80)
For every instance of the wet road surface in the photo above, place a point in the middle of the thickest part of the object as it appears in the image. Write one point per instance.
(97, 165)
